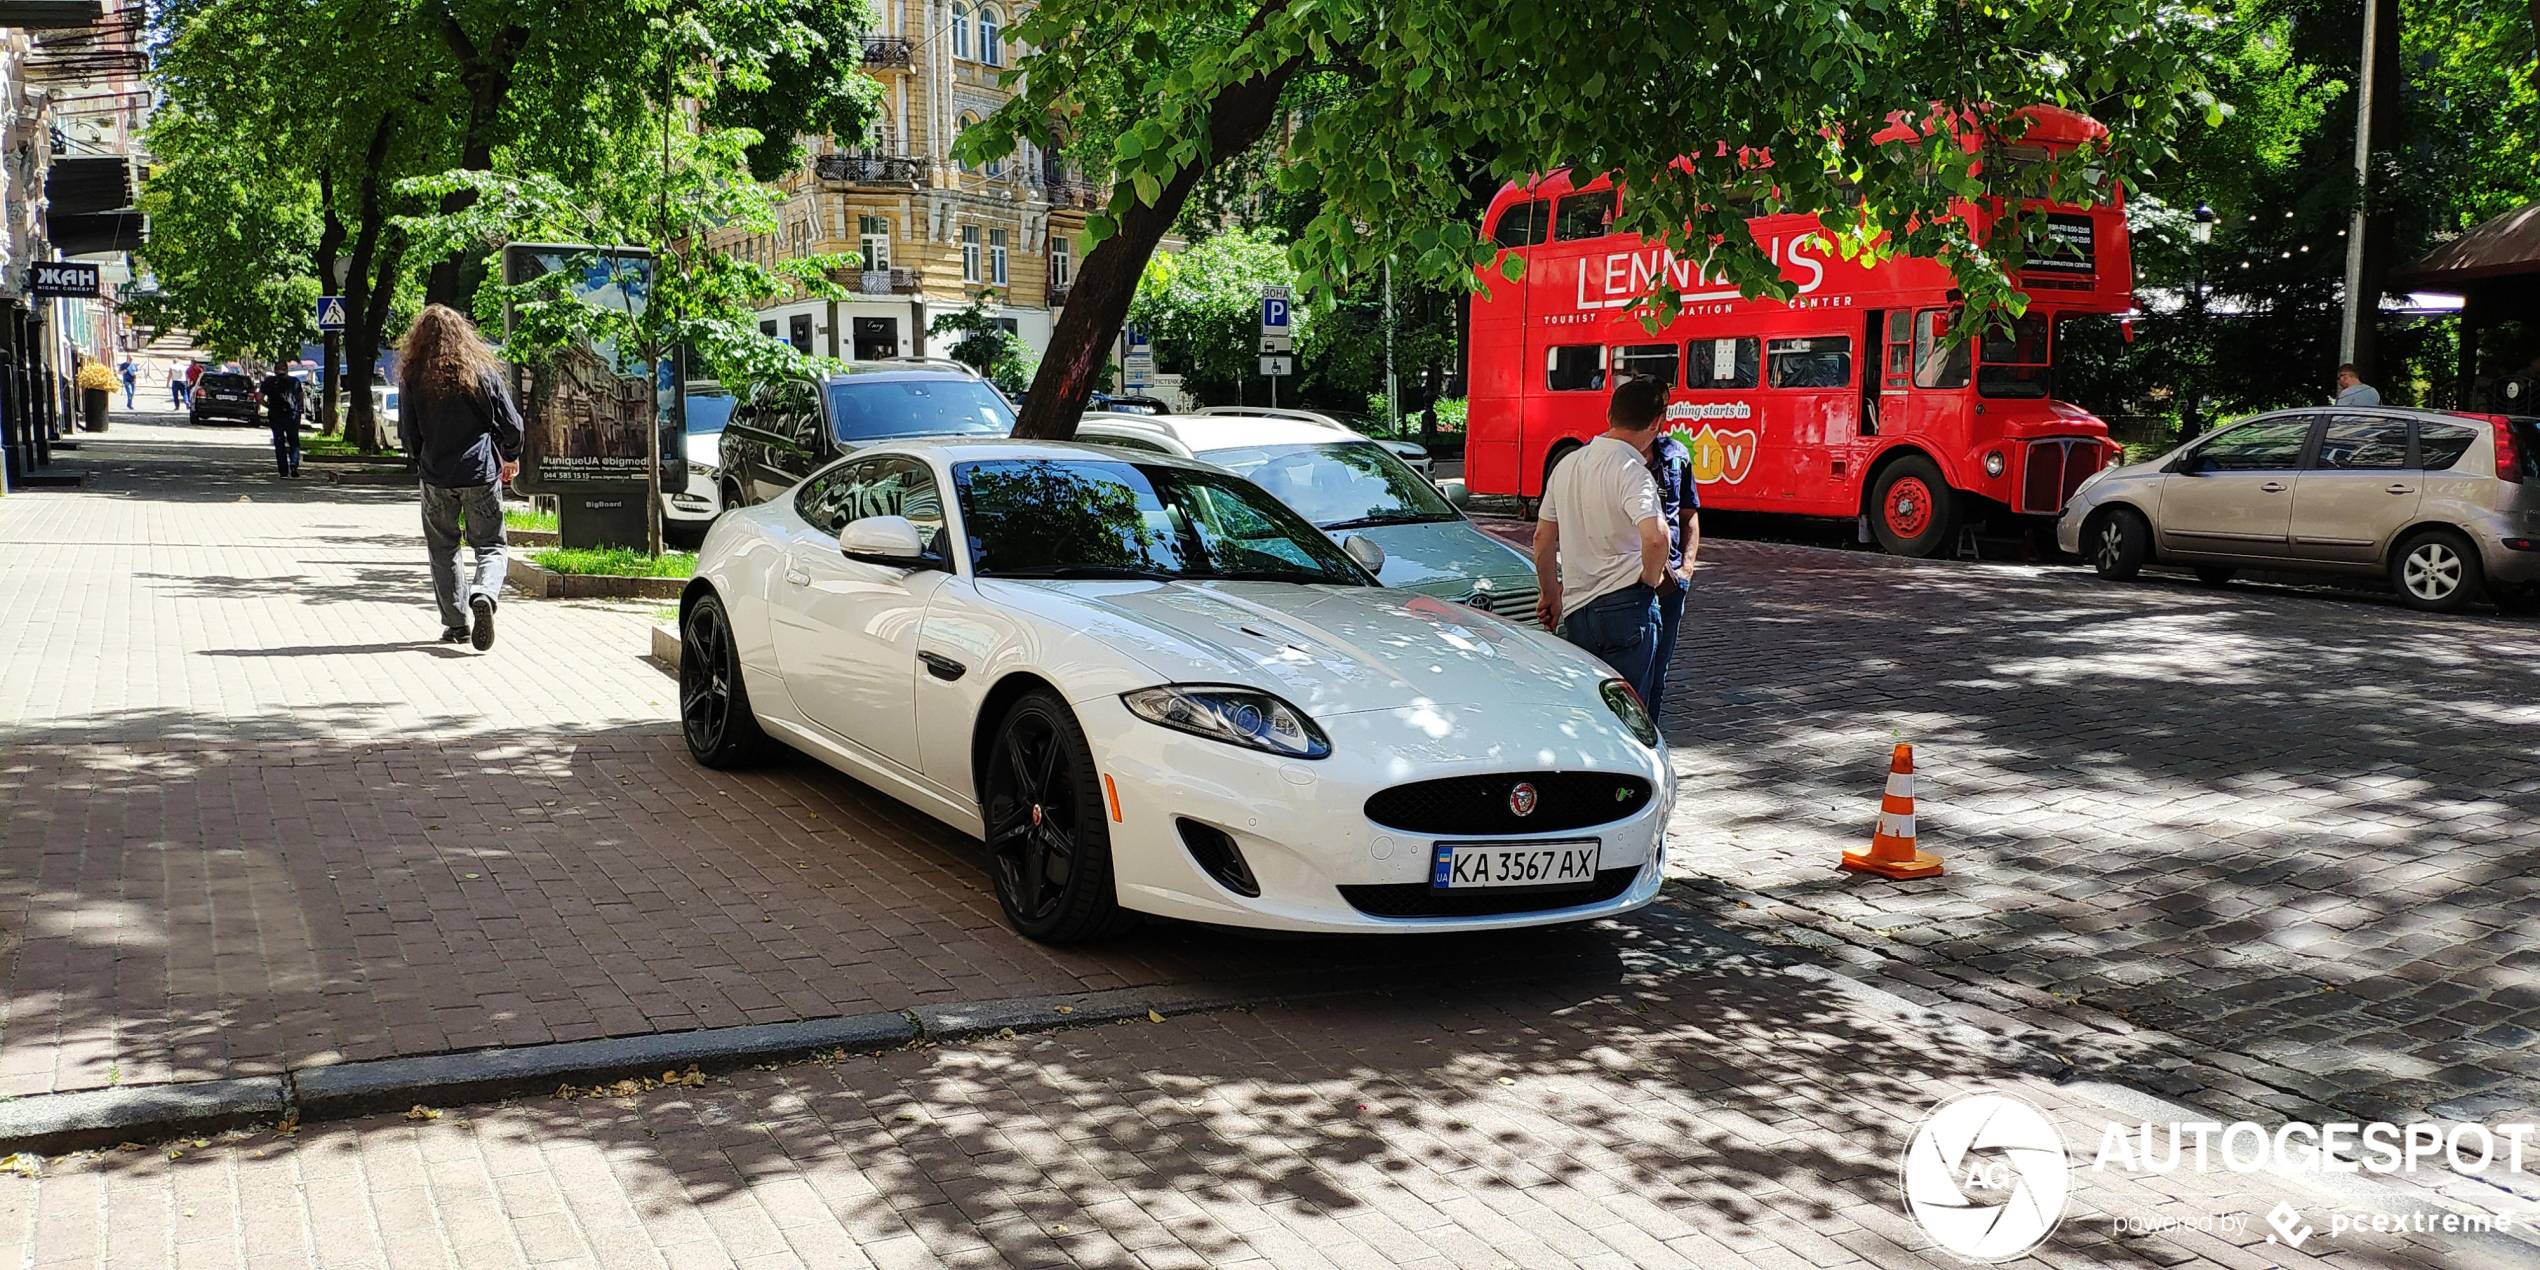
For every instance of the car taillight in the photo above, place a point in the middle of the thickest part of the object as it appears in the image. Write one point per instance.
(2508, 463)
(254, 396)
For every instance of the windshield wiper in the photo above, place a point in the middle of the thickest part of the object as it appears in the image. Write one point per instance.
(1390, 518)
(1087, 571)
(1265, 575)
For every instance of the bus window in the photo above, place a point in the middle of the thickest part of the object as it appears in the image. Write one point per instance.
(1647, 361)
(1522, 225)
(1574, 368)
(1900, 350)
(1583, 216)
(2014, 362)
(1729, 363)
(1937, 362)
(1819, 361)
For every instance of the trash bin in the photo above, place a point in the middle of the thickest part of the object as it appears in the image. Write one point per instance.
(92, 402)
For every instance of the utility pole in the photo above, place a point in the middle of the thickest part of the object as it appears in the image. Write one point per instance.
(1393, 389)
(2352, 322)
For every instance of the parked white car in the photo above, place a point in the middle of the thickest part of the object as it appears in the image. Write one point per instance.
(1410, 452)
(685, 512)
(1154, 689)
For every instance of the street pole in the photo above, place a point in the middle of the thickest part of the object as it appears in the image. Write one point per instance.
(1393, 387)
(2352, 321)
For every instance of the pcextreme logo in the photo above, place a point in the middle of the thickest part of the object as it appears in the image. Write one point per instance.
(1986, 1175)
(1719, 454)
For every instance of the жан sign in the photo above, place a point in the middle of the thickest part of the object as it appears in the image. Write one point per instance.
(63, 279)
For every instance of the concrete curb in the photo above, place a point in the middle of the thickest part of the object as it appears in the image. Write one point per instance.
(666, 644)
(48, 1124)
(529, 578)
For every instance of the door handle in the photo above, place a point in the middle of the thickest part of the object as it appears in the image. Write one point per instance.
(2273, 487)
(942, 667)
(797, 576)
(2402, 489)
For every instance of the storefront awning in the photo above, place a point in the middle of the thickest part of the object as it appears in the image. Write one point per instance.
(81, 235)
(76, 187)
(2504, 247)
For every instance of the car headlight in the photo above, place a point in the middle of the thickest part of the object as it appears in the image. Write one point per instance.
(1237, 716)
(1626, 706)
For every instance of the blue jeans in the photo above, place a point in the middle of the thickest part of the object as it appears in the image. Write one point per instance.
(1671, 617)
(1622, 628)
(475, 512)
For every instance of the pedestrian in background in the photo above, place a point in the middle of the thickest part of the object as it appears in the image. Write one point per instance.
(2352, 390)
(176, 389)
(193, 380)
(284, 405)
(131, 379)
(1680, 503)
(1601, 541)
(456, 418)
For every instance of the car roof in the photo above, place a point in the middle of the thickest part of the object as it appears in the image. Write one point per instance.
(1206, 432)
(905, 368)
(958, 449)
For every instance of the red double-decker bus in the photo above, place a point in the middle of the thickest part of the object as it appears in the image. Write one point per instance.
(1847, 400)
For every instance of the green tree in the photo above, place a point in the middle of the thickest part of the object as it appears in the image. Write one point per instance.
(983, 344)
(1202, 307)
(1160, 93)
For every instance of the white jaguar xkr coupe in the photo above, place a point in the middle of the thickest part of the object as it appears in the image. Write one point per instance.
(1153, 688)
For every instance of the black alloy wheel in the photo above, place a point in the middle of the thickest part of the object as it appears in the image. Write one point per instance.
(2117, 541)
(714, 705)
(1049, 847)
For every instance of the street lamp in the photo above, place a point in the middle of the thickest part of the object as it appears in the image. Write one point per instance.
(2201, 229)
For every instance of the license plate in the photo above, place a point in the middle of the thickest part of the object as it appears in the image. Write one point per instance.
(1461, 866)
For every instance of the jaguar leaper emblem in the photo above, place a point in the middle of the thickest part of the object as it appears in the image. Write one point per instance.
(1522, 799)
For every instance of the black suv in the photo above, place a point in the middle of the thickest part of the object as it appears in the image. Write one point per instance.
(785, 431)
(226, 394)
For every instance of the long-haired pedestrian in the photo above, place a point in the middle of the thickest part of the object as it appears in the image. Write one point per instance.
(459, 425)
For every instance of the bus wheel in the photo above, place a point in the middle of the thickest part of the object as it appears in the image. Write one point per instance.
(1912, 510)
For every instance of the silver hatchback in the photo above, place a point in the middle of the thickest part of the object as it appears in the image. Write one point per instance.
(2447, 506)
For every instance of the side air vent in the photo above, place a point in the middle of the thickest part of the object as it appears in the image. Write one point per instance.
(1216, 852)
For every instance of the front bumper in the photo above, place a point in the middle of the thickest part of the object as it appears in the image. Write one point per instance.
(701, 500)
(1304, 832)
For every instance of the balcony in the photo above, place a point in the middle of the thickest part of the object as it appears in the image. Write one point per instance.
(903, 171)
(1058, 293)
(1073, 191)
(880, 281)
(885, 52)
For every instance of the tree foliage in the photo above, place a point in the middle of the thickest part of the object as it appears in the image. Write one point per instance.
(1202, 306)
(982, 343)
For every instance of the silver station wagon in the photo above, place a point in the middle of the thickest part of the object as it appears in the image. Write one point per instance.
(2447, 506)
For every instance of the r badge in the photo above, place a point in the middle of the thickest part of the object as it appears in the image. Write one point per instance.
(1522, 799)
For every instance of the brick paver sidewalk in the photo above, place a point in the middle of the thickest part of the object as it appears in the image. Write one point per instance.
(1651, 1117)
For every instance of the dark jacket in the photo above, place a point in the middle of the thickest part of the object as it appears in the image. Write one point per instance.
(456, 438)
(283, 401)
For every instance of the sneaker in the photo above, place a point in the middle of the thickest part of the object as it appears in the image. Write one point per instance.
(453, 634)
(483, 607)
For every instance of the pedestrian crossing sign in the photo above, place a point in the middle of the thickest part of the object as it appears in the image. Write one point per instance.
(330, 313)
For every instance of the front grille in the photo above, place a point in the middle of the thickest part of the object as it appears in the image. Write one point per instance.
(1419, 899)
(2054, 468)
(1469, 806)
(1516, 606)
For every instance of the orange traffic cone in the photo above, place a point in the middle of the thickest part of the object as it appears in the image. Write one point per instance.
(1892, 852)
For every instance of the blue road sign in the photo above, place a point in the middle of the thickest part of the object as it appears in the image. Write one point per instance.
(330, 313)
(1274, 315)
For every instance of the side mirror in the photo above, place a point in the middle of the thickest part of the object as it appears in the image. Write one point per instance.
(884, 540)
(2191, 463)
(1361, 548)
(1457, 492)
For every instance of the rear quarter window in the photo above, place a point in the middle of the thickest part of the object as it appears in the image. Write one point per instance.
(2440, 445)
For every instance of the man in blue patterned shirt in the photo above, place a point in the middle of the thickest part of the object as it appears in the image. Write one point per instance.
(1671, 465)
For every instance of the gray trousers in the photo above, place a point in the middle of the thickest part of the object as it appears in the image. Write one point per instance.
(482, 505)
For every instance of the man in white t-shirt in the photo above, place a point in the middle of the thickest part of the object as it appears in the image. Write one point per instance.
(1601, 541)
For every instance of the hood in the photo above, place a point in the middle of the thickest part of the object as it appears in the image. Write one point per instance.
(1329, 650)
(1445, 558)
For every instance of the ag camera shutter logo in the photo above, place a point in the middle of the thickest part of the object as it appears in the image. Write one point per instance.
(1986, 1175)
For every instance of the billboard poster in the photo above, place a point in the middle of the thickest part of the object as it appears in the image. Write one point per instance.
(585, 408)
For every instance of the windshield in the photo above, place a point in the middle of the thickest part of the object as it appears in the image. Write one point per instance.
(2014, 363)
(708, 412)
(1341, 484)
(879, 409)
(1063, 518)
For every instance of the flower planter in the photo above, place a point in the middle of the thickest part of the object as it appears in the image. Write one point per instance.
(92, 403)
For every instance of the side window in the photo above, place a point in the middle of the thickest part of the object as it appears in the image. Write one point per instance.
(1574, 368)
(2360, 442)
(1900, 351)
(1522, 225)
(2440, 445)
(887, 486)
(791, 413)
(2269, 445)
(1728, 363)
(826, 499)
(1646, 361)
(1937, 362)
(1582, 216)
(1816, 361)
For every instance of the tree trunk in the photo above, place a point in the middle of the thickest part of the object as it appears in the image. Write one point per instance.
(330, 246)
(1108, 280)
(486, 72)
(362, 299)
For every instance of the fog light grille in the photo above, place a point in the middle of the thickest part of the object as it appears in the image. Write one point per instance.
(1216, 852)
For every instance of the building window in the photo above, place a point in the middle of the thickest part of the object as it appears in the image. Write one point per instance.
(970, 253)
(874, 232)
(989, 47)
(961, 30)
(996, 256)
(1059, 262)
(966, 121)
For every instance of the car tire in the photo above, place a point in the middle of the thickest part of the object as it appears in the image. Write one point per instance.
(714, 702)
(2216, 574)
(2117, 542)
(1043, 806)
(1913, 512)
(2436, 571)
(732, 499)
